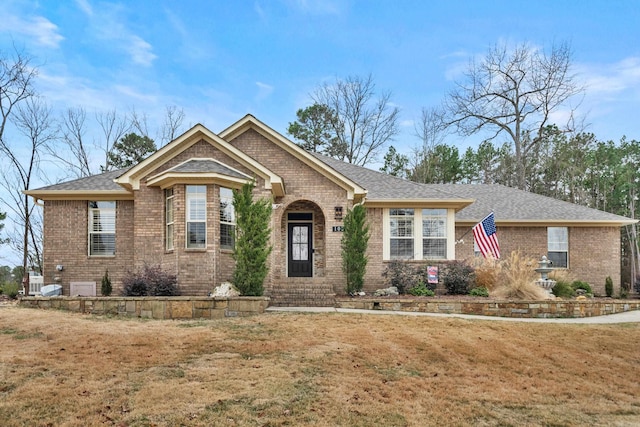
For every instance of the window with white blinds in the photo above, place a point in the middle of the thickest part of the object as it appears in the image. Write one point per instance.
(102, 228)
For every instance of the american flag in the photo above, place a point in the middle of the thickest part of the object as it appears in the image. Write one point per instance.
(485, 234)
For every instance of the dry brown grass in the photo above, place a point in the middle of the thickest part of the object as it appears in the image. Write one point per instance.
(63, 369)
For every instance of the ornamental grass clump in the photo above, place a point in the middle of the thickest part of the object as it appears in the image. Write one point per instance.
(516, 279)
(487, 271)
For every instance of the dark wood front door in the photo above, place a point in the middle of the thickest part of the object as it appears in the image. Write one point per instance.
(300, 250)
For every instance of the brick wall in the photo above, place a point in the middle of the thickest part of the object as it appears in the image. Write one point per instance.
(594, 252)
(307, 190)
(65, 236)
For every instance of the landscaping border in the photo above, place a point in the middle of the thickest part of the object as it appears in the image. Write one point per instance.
(154, 307)
(523, 309)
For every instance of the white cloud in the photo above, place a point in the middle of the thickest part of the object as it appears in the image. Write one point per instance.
(109, 25)
(133, 94)
(612, 78)
(141, 52)
(264, 90)
(37, 28)
(45, 32)
(316, 7)
(85, 7)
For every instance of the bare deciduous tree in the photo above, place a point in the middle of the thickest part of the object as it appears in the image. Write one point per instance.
(113, 128)
(33, 121)
(364, 125)
(431, 129)
(514, 92)
(16, 87)
(172, 124)
(76, 155)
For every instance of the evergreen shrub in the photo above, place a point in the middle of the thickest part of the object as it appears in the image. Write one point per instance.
(608, 286)
(563, 290)
(458, 277)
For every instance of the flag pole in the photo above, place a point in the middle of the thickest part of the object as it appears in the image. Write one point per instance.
(460, 240)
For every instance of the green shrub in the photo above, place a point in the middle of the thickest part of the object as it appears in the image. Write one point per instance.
(151, 281)
(421, 291)
(480, 291)
(577, 284)
(563, 290)
(11, 290)
(400, 275)
(354, 248)
(458, 277)
(133, 285)
(106, 287)
(624, 292)
(252, 245)
(608, 286)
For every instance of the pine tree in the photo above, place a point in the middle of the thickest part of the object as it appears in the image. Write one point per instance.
(252, 246)
(354, 248)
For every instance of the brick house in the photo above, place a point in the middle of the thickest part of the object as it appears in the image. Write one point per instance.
(174, 210)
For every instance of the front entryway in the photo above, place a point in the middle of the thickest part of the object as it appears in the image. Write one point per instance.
(300, 250)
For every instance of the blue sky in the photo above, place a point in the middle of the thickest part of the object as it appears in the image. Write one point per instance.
(219, 60)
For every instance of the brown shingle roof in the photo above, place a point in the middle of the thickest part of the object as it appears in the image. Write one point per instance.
(100, 182)
(508, 204)
(381, 186)
(206, 166)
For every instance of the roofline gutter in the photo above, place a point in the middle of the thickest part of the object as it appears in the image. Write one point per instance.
(552, 223)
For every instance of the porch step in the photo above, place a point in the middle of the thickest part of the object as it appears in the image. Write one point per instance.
(302, 294)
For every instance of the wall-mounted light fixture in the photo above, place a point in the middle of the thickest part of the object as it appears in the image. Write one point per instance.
(59, 267)
(337, 213)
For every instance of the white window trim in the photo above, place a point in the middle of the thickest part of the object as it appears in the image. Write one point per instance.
(232, 223)
(565, 251)
(188, 220)
(446, 231)
(417, 233)
(169, 236)
(91, 232)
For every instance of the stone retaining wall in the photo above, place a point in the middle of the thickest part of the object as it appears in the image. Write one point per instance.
(154, 307)
(533, 309)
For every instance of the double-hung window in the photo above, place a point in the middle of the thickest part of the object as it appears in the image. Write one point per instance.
(418, 234)
(196, 215)
(227, 219)
(558, 246)
(401, 228)
(434, 233)
(102, 228)
(168, 238)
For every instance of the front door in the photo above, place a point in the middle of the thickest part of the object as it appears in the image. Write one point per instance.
(300, 250)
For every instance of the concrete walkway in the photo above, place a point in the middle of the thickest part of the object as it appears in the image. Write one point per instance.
(626, 317)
